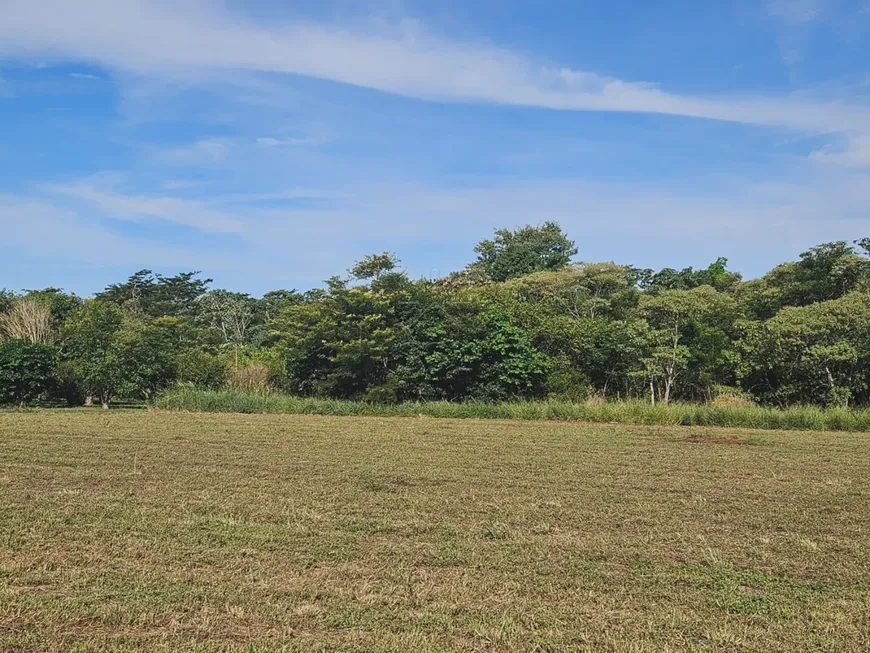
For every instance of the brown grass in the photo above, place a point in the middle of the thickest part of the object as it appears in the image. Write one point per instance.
(212, 532)
(706, 438)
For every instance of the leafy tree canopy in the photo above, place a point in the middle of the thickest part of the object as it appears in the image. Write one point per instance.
(514, 253)
(372, 266)
(156, 295)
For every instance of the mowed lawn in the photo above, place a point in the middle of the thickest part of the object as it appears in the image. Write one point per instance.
(136, 530)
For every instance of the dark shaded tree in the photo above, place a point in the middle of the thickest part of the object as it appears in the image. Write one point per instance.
(27, 371)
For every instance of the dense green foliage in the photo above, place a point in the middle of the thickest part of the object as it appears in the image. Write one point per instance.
(521, 322)
(26, 370)
(512, 254)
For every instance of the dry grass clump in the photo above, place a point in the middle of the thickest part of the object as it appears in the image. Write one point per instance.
(731, 398)
(595, 399)
(253, 377)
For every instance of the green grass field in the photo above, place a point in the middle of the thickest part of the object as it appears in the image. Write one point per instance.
(148, 530)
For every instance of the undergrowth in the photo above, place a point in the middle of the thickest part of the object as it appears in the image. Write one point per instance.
(622, 412)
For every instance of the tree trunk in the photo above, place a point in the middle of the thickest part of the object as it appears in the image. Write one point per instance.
(89, 401)
(104, 400)
(831, 383)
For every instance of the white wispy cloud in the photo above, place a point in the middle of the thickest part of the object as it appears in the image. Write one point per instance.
(203, 152)
(214, 149)
(796, 12)
(268, 141)
(797, 19)
(178, 184)
(84, 76)
(854, 153)
(118, 205)
(175, 39)
(45, 230)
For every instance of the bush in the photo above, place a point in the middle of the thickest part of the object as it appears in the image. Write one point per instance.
(387, 393)
(67, 389)
(568, 384)
(727, 396)
(26, 371)
(201, 369)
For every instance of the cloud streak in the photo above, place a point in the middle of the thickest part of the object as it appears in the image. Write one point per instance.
(131, 207)
(59, 233)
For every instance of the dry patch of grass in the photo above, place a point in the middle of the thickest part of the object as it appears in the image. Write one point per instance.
(704, 438)
(210, 532)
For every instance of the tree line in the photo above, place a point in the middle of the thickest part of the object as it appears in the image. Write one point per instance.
(520, 322)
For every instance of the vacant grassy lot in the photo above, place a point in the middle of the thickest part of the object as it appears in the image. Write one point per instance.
(209, 532)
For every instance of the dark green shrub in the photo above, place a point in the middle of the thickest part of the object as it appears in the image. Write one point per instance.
(26, 371)
(201, 369)
(567, 384)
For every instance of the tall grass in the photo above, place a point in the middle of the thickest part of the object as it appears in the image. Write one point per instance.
(625, 412)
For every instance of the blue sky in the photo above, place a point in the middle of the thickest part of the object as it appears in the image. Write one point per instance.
(271, 143)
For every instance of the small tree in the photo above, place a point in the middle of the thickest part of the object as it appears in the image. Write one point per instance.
(146, 353)
(529, 249)
(670, 314)
(230, 314)
(88, 342)
(200, 369)
(26, 370)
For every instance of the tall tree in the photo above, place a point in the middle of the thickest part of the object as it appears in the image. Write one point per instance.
(230, 314)
(715, 275)
(156, 295)
(818, 353)
(514, 253)
(372, 266)
(676, 316)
